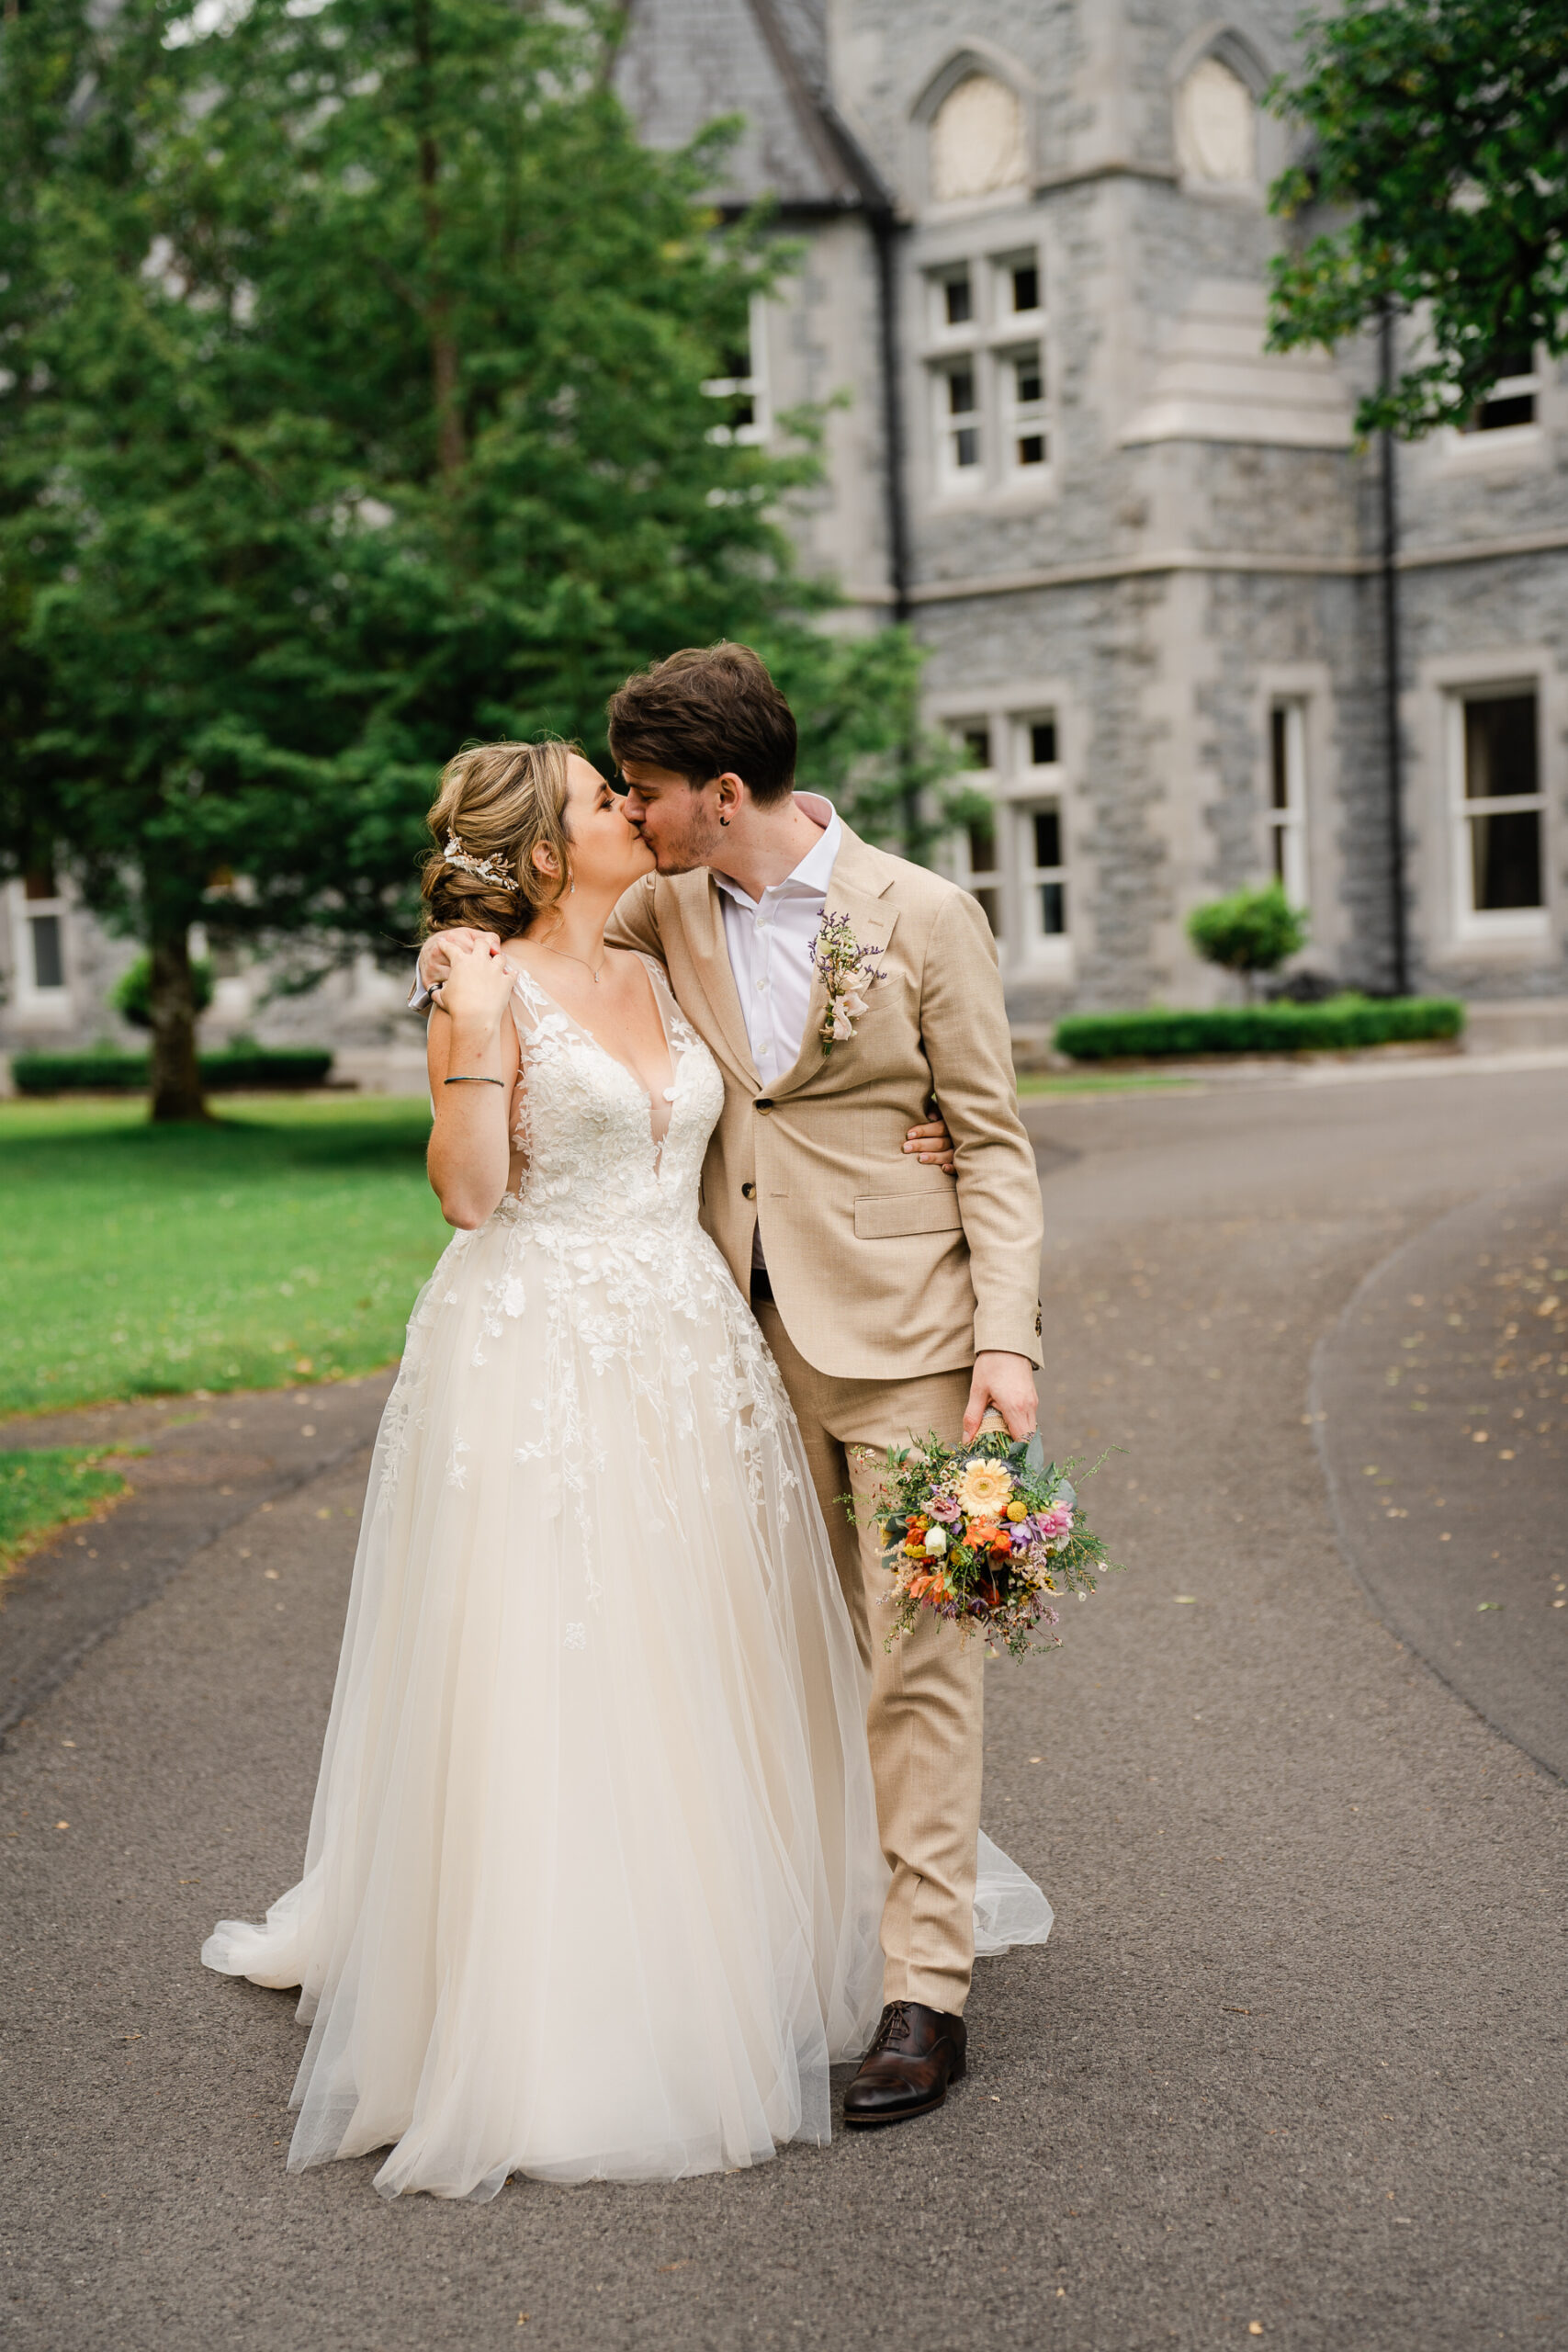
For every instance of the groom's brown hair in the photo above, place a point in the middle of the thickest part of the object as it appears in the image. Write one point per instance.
(708, 710)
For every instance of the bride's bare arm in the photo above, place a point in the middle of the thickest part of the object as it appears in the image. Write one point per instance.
(472, 1055)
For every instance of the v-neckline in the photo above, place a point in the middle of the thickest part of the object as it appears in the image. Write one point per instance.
(671, 1058)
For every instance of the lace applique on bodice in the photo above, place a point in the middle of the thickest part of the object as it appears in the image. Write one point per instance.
(598, 1267)
(600, 1158)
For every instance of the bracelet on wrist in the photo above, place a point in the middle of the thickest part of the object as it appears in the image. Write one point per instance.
(473, 1081)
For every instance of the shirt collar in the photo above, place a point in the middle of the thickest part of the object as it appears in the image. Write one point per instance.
(812, 877)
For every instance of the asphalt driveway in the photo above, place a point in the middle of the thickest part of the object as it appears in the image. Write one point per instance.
(1292, 2063)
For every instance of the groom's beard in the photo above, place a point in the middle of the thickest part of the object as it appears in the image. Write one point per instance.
(684, 849)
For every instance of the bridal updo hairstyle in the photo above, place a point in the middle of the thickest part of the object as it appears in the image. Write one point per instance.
(708, 710)
(503, 801)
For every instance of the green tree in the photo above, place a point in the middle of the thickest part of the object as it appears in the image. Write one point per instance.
(132, 995)
(1250, 931)
(358, 408)
(1438, 128)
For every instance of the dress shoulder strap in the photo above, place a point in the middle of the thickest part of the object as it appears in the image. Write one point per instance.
(656, 972)
(529, 1002)
(675, 1021)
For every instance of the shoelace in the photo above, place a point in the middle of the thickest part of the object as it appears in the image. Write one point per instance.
(895, 2026)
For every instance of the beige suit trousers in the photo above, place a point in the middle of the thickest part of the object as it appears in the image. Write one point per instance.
(925, 1719)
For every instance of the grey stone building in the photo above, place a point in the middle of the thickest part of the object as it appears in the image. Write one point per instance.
(1145, 555)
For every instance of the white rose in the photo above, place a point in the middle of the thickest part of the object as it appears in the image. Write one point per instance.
(936, 1541)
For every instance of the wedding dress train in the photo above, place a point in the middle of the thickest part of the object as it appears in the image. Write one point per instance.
(592, 1882)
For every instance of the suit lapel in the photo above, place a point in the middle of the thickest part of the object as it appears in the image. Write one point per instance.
(857, 888)
(725, 1028)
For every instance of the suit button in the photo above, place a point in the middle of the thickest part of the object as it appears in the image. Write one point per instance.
(765, 1104)
(747, 1191)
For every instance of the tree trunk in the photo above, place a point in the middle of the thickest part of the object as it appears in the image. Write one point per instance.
(177, 1080)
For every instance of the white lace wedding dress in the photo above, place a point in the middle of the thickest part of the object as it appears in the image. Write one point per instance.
(592, 1882)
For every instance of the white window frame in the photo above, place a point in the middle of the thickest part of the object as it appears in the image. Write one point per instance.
(1287, 821)
(752, 386)
(1471, 921)
(1022, 419)
(947, 423)
(1038, 784)
(938, 327)
(1462, 449)
(988, 343)
(41, 1005)
(991, 882)
(1002, 266)
(1509, 387)
(1017, 784)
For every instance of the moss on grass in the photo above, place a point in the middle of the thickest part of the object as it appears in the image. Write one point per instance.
(45, 1487)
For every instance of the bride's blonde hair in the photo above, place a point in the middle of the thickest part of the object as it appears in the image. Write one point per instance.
(498, 803)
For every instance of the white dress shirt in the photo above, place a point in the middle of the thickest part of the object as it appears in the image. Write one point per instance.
(770, 942)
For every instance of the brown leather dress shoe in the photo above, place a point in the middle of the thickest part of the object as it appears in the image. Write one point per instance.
(917, 2054)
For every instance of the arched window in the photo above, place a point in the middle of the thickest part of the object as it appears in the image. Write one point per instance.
(1216, 125)
(977, 140)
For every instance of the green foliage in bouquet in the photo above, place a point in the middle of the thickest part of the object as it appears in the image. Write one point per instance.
(988, 1534)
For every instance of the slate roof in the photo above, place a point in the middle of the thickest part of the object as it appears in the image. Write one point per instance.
(685, 62)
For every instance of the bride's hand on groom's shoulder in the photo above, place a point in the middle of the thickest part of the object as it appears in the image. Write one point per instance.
(478, 977)
(436, 956)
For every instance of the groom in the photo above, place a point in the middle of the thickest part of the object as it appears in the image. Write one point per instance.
(897, 1297)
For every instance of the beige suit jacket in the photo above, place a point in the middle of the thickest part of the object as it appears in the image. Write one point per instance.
(881, 1269)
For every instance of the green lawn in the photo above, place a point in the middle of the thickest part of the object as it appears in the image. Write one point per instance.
(285, 1242)
(1121, 1083)
(45, 1487)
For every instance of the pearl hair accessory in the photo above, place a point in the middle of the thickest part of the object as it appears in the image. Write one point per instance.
(486, 869)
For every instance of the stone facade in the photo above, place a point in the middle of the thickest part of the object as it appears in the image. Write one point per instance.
(1144, 553)
(1163, 570)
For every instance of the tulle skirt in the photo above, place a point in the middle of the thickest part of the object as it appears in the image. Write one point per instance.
(592, 1882)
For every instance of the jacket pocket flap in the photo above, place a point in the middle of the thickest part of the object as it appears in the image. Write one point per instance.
(883, 1216)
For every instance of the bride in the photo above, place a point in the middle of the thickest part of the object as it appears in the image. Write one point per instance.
(592, 1882)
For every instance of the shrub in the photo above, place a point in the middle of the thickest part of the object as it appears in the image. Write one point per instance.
(282, 1067)
(133, 994)
(1344, 1021)
(1252, 931)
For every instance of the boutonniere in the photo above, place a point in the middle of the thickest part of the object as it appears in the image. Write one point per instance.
(847, 974)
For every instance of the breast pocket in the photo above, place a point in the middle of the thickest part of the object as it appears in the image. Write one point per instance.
(886, 1217)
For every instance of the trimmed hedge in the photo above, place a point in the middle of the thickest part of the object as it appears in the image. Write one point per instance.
(1341, 1022)
(280, 1067)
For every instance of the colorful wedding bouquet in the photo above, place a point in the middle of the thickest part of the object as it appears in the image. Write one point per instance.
(988, 1534)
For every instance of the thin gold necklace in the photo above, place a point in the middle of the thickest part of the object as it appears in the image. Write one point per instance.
(566, 958)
